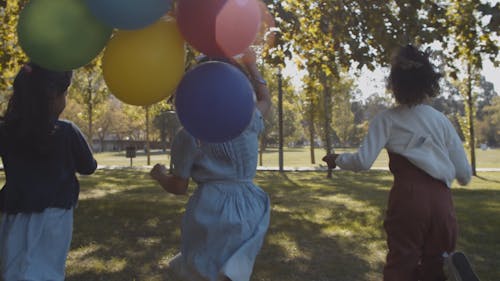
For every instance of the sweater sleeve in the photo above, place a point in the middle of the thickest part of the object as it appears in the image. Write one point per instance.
(463, 171)
(375, 140)
(85, 163)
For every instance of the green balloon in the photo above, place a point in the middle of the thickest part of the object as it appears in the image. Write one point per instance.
(61, 34)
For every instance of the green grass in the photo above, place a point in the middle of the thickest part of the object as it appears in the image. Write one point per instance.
(293, 157)
(127, 227)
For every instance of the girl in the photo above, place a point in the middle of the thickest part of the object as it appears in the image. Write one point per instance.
(228, 215)
(40, 155)
(426, 155)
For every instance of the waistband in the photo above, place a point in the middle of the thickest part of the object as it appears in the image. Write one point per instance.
(405, 171)
(234, 181)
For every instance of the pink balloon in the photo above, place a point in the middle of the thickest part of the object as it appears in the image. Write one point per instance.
(219, 28)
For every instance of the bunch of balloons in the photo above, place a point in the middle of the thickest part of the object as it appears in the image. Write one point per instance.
(144, 52)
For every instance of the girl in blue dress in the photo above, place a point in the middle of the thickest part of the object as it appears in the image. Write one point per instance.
(227, 216)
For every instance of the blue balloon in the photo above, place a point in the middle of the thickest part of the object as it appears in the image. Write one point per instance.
(129, 14)
(215, 102)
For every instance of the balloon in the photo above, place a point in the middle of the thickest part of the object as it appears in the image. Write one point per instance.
(142, 67)
(129, 14)
(214, 101)
(61, 34)
(219, 28)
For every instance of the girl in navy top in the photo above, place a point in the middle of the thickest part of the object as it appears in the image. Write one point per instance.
(41, 155)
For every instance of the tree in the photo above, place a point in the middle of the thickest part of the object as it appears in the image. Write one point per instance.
(309, 105)
(292, 126)
(110, 122)
(342, 116)
(89, 89)
(167, 123)
(11, 55)
(486, 95)
(330, 36)
(468, 39)
(489, 127)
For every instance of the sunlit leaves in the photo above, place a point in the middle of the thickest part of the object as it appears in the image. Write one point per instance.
(11, 55)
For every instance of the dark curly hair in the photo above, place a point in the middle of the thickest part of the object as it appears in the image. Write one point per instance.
(29, 121)
(413, 78)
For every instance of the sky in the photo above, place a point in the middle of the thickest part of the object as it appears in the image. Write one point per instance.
(374, 82)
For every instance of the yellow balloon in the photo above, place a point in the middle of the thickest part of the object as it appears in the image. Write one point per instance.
(142, 67)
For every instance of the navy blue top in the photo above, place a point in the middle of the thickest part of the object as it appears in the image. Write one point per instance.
(34, 183)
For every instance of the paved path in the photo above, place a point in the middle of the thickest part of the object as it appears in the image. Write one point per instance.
(296, 169)
(263, 168)
(286, 168)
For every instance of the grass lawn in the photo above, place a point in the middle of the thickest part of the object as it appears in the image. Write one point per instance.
(126, 227)
(293, 157)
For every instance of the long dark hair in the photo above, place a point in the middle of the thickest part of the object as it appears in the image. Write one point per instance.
(413, 78)
(29, 118)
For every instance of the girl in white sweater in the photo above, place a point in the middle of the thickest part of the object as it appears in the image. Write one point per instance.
(426, 155)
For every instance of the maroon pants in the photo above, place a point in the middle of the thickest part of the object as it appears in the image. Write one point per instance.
(420, 224)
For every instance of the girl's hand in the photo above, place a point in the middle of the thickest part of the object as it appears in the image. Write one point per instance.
(249, 57)
(170, 183)
(158, 171)
(330, 160)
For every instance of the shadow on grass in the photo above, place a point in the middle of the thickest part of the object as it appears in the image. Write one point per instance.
(323, 229)
(127, 227)
(477, 214)
(487, 179)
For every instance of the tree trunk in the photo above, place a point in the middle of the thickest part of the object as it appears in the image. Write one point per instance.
(101, 139)
(327, 97)
(90, 109)
(472, 137)
(280, 119)
(311, 132)
(262, 148)
(148, 154)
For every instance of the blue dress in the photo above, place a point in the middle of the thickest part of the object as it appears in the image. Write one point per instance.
(227, 216)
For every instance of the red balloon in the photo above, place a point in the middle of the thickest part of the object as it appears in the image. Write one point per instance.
(219, 28)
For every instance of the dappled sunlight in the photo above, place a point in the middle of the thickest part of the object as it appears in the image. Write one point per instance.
(82, 252)
(97, 193)
(128, 228)
(165, 259)
(350, 204)
(339, 231)
(149, 241)
(288, 245)
(82, 260)
(152, 222)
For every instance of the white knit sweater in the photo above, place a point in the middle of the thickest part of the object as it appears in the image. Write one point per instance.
(421, 134)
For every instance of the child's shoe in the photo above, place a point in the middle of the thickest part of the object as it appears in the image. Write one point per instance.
(458, 268)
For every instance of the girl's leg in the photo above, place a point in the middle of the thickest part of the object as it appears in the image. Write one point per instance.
(442, 235)
(403, 257)
(405, 225)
